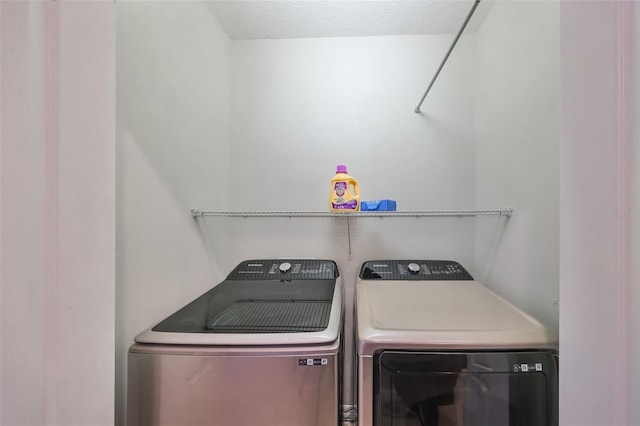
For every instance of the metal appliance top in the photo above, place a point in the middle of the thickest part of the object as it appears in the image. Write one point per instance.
(450, 314)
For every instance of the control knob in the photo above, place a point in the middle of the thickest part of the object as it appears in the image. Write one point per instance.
(414, 268)
(284, 267)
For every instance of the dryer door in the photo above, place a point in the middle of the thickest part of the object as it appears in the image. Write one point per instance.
(466, 389)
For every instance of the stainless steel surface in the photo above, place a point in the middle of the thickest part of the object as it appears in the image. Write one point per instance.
(446, 56)
(365, 390)
(188, 386)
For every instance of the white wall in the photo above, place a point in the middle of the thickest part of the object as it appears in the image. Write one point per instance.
(57, 175)
(595, 196)
(173, 138)
(634, 320)
(302, 106)
(517, 135)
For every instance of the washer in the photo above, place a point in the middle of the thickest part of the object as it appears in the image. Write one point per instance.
(434, 347)
(263, 347)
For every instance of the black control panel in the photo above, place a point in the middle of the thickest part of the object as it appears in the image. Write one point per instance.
(420, 270)
(285, 269)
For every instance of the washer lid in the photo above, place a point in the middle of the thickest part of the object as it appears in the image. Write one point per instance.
(262, 302)
(230, 318)
(441, 314)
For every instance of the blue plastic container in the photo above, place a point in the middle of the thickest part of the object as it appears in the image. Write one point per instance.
(378, 206)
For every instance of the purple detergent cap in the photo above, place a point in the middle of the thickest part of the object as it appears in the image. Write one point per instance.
(341, 168)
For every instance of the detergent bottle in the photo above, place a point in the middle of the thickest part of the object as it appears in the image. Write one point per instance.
(345, 195)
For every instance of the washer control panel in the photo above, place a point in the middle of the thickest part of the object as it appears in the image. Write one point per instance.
(405, 270)
(285, 269)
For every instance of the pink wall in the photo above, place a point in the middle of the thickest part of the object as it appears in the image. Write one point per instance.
(634, 321)
(594, 194)
(57, 226)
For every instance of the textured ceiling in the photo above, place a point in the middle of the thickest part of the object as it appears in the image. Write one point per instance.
(263, 19)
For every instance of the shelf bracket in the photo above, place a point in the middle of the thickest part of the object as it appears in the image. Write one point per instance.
(349, 235)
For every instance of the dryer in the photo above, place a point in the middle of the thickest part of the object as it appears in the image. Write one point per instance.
(263, 347)
(435, 347)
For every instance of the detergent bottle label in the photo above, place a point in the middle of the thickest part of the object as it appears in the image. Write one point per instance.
(342, 199)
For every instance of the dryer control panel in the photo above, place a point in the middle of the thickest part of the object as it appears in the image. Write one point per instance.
(285, 269)
(414, 270)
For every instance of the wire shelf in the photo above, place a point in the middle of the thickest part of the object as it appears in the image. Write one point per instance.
(506, 212)
(425, 213)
